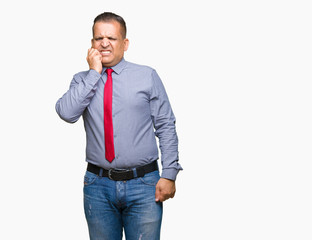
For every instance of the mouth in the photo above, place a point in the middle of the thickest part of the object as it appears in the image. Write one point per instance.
(105, 52)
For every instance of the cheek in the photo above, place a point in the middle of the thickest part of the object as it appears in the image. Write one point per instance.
(120, 50)
(95, 45)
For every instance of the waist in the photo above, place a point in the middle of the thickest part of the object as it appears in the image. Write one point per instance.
(117, 174)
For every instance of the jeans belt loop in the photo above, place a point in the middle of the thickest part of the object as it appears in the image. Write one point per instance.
(135, 174)
(101, 172)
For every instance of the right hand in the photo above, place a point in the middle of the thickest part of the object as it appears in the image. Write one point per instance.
(94, 59)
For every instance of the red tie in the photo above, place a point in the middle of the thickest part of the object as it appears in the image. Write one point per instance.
(108, 117)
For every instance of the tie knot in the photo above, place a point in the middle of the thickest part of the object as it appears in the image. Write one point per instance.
(109, 71)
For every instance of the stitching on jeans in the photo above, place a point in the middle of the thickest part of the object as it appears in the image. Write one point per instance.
(147, 183)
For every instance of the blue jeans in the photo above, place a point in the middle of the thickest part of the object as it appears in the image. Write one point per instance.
(111, 206)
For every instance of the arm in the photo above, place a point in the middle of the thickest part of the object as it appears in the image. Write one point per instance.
(82, 89)
(164, 124)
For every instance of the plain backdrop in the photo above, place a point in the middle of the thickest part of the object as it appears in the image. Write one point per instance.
(238, 75)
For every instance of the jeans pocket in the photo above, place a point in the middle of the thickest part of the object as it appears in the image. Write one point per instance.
(89, 178)
(151, 179)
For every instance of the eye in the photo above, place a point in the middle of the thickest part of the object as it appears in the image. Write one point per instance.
(98, 39)
(112, 39)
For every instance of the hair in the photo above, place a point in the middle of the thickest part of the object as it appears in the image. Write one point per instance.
(108, 17)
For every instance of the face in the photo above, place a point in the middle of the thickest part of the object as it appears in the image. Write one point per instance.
(108, 40)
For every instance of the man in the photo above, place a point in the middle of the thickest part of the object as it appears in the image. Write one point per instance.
(124, 105)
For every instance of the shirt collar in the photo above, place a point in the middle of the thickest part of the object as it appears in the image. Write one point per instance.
(118, 67)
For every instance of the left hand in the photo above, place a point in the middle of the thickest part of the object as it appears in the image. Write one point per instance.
(165, 189)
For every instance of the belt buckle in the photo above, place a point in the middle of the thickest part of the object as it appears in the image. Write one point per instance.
(117, 171)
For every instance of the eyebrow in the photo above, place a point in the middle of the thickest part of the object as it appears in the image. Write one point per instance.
(109, 36)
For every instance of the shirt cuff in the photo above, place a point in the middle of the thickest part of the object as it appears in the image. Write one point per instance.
(170, 173)
(94, 75)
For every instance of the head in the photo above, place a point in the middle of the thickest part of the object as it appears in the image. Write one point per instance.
(109, 38)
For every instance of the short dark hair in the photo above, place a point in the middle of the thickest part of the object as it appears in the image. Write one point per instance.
(108, 17)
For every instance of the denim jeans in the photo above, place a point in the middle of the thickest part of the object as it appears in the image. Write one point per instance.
(111, 206)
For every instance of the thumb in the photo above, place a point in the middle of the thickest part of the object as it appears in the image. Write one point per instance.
(157, 194)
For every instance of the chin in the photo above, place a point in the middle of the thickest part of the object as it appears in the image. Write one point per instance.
(106, 63)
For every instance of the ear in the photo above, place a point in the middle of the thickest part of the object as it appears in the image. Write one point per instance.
(92, 41)
(126, 44)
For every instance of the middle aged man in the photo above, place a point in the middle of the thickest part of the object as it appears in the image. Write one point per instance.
(124, 105)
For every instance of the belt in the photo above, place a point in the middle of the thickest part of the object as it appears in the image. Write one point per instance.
(123, 174)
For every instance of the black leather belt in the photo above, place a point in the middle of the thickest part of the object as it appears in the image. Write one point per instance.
(123, 174)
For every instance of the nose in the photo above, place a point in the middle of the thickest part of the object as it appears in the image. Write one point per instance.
(105, 43)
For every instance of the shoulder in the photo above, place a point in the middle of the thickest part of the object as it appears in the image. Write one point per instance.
(142, 74)
(143, 69)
